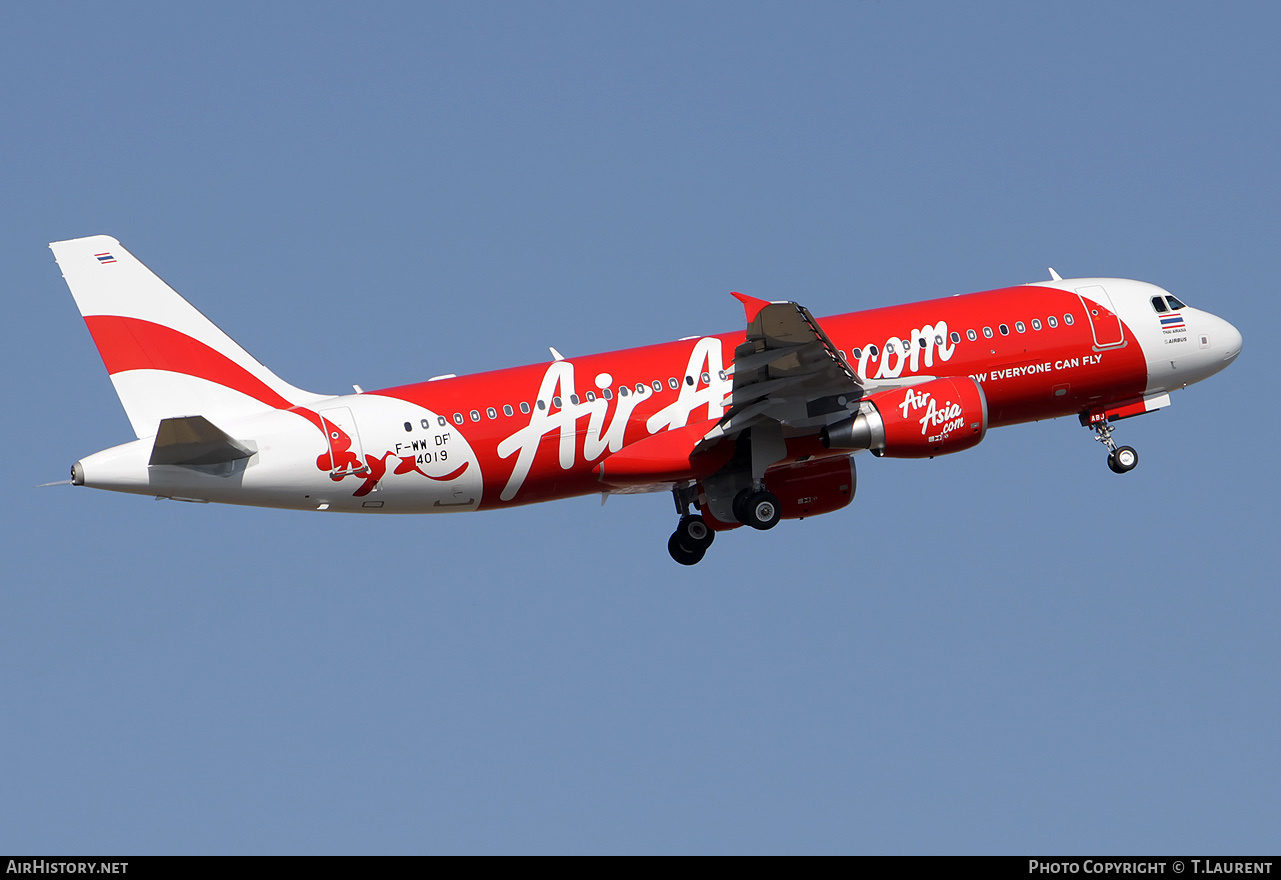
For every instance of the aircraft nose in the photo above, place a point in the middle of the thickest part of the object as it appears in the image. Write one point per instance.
(1230, 341)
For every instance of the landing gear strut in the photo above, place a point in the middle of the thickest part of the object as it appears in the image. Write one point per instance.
(692, 537)
(1120, 458)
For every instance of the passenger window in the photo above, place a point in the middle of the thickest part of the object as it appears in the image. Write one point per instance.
(622, 391)
(689, 380)
(956, 337)
(873, 351)
(707, 380)
(987, 331)
(721, 374)
(673, 383)
(971, 335)
(1052, 321)
(408, 427)
(889, 347)
(920, 341)
(492, 413)
(442, 421)
(507, 410)
(1036, 323)
(1020, 326)
(858, 354)
(591, 396)
(475, 415)
(1174, 303)
(641, 388)
(1005, 329)
(607, 394)
(658, 386)
(1159, 305)
(1068, 319)
(458, 418)
(573, 398)
(524, 407)
(542, 405)
(556, 402)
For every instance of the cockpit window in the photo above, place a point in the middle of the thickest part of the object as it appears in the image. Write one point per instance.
(1174, 303)
(1159, 304)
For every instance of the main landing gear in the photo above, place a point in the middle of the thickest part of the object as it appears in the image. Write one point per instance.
(754, 506)
(692, 537)
(758, 508)
(1120, 458)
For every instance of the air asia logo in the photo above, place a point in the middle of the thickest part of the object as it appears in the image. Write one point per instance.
(340, 462)
(604, 433)
(942, 419)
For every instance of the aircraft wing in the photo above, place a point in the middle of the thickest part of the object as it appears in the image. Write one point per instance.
(787, 372)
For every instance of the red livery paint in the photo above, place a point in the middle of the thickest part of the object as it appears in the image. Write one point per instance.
(747, 427)
(933, 418)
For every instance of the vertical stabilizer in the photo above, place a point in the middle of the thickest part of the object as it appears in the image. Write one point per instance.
(164, 357)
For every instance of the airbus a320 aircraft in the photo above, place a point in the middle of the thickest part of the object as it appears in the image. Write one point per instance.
(743, 428)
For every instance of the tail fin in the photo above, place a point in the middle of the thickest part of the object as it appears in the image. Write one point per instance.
(165, 358)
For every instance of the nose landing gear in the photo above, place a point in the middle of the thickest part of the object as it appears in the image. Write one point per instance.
(1121, 459)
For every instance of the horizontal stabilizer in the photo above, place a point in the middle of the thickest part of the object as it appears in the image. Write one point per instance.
(194, 440)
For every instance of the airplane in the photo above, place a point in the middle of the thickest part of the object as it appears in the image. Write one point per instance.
(743, 428)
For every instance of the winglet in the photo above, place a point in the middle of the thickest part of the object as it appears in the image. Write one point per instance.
(751, 305)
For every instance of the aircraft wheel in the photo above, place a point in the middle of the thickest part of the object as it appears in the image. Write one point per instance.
(681, 554)
(760, 510)
(692, 532)
(1123, 459)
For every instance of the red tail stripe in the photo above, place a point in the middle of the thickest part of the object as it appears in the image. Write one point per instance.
(133, 344)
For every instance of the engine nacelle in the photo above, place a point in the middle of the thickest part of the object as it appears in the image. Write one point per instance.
(916, 421)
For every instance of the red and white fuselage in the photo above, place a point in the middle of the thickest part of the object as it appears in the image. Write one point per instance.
(1096, 348)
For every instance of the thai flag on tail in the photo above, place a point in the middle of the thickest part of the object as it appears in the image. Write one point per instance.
(105, 258)
(1173, 321)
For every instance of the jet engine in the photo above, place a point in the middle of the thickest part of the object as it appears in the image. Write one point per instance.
(917, 421)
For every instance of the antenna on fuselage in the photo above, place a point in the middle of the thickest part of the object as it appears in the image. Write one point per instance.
(1054, 276)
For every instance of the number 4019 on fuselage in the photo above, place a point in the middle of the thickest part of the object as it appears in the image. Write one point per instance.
(743, 428)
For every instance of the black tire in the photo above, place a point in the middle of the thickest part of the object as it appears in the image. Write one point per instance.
(1124, 459)
(761, 510)
(693, 533)
(680, 553)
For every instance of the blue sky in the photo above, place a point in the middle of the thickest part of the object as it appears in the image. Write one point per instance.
(1006, 650)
